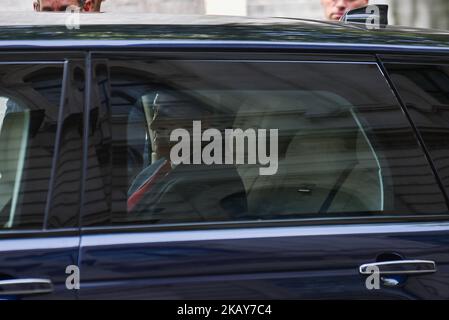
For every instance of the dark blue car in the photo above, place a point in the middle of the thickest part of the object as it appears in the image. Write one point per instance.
(222, 158)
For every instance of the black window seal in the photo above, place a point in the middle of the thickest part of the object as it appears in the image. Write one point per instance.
(86, 125)
(55, 159)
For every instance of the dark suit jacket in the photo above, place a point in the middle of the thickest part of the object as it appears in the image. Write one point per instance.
(194, 193)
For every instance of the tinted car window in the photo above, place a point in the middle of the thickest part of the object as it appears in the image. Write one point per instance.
(210, 141)
(29, 108)
(425, 91)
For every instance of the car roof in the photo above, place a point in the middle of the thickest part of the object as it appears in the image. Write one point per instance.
(18, 27)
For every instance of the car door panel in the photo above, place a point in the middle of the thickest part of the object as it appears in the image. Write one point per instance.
(45, 257)
(383, 202)
(311, 265)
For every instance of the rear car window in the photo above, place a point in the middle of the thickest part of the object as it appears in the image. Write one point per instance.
(424, 88)
(29, 108)
(218, 141)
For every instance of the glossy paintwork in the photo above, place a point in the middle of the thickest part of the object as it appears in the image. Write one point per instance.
(310, 267)
(218, 29)
(269, 263)
(259, 263)
(45, 257)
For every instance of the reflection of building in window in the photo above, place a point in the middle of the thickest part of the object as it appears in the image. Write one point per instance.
(3, 102)
(30, 105)
(13, 145)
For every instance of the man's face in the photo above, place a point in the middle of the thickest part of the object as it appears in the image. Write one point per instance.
(54, 5)
(92, 6)
(169, 114)
(174, 112)
(334, 9)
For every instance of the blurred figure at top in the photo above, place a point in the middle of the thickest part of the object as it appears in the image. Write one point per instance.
(335, 9)
(62, 5)
(94, 7)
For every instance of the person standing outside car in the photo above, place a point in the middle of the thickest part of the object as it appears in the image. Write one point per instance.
(62, 5)
(95, 7)
(335, 9)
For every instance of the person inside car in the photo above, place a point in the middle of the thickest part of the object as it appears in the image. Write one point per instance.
(165, 190)
(168, 111)
(161, 165)
(335, 9)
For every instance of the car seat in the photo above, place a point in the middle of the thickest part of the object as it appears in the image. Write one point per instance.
(326, 163)
(13, 145)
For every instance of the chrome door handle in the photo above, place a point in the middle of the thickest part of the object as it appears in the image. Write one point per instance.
(25, 287)
(399, 267)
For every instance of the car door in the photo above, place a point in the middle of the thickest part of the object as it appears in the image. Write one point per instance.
(41, 106)
(294, 176)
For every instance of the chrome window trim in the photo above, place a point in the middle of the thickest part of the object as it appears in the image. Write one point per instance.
(129, 238)
(31, 62)
(329, 61)
(39, 243)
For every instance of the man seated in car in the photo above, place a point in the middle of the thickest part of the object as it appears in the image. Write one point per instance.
(164, 120)
(164, 190)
